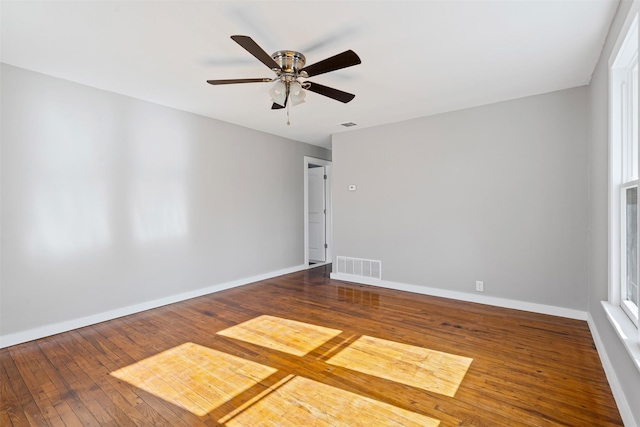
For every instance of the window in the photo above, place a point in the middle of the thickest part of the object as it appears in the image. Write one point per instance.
(624, 175)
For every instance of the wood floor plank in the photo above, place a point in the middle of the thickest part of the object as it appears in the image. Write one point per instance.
(57, 356)
(24, 409)
(113, 360)
(118, 392)
(59, 405)
(10, 386)
(40, 385)
(5, 419)
(89, 371)
(525, 369)
(79, 405)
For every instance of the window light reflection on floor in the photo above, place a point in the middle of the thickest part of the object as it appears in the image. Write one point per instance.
(193, 377)
(305, 402)
(276, 333)
(405, 364)
(200, 379)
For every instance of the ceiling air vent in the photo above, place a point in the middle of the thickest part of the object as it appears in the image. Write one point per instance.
(348, 124)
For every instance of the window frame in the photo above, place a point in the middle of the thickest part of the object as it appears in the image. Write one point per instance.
(627, 306)
(624, 160)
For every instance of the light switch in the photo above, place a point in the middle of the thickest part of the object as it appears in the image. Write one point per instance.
(352, 187)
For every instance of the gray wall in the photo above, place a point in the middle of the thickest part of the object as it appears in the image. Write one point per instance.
(496, 193)
(625, 371)
(108, 201)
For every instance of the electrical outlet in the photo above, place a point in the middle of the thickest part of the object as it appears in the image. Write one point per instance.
(479, 286)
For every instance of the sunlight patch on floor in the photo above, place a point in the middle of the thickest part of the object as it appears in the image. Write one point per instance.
(201, 379)
(193, 377)
(276, 333)
(406, 364)
(304, 402)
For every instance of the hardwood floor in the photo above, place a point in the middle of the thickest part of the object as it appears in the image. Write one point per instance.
(302, 350)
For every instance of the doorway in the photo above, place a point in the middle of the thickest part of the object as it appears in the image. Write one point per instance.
(318, 234)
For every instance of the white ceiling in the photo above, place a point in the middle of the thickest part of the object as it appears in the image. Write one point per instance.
(418, 57)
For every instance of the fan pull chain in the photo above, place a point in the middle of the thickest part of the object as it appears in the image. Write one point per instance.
(288, 121)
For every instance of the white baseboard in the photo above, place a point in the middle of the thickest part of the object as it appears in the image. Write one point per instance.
(463, 296)
(616, 389)
(45, 331)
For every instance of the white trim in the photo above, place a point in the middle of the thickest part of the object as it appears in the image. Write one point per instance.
(615, 159)
(45, 331)
(626, 330)
(463, 296)
(622, 35)
(631, 310)
(614, 223)
(618, 394)
(329, 206)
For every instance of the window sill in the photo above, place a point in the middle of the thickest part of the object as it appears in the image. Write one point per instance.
(626, 330)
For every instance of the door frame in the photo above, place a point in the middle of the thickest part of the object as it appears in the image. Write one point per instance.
(329, 206)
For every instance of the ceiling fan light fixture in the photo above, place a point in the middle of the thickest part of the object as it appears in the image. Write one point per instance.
(289, 66)
(296, 93)
(278, 93)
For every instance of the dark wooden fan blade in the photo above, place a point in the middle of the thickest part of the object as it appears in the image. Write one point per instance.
(330, 92)
(276, 106)
(233, 81)
(255, 50)
(341, 60)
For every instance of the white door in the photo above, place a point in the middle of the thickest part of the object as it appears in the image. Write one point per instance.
(317, 214)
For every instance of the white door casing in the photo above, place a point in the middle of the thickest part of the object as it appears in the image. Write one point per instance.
(317, 213)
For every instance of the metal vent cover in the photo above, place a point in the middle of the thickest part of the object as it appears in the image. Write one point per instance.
(359, 267)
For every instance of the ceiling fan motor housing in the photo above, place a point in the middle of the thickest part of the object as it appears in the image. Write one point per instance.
(290, 61)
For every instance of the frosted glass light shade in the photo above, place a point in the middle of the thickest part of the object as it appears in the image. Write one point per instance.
(296, 93)
(278, 93)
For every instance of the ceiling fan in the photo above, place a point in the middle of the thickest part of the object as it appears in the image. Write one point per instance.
(289, 67)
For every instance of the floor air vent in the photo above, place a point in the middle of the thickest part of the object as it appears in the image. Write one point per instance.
(360, 267)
